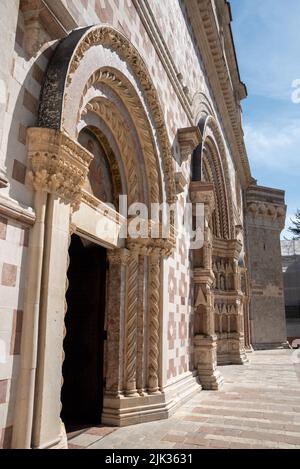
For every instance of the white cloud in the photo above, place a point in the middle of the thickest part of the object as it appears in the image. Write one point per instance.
(274, 145)
(267, 39)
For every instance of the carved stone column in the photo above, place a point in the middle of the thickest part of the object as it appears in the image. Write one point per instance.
(205, 340)
(58, 167)
(154, 320)
(118, 261)
(131, 322)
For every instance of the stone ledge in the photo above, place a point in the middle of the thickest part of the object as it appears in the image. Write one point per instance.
(124, 411)
(271, 346)
(12, 210)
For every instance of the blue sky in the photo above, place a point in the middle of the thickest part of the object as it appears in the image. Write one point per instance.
(267, 40)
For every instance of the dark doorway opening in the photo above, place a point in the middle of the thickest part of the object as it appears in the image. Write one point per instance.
(82, 390)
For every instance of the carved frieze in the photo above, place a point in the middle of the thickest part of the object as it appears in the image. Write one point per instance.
(269, 211)
(265, 206)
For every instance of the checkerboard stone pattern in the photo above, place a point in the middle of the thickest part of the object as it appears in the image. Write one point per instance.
(13, 252)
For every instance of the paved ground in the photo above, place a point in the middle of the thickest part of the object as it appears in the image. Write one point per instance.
(258, 407)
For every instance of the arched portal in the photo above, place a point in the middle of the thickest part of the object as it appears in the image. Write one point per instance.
(100, 134)
(219, 315)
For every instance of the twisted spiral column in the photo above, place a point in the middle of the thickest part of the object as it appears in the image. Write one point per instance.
(153, 360)
(131, 324)
(118, 261)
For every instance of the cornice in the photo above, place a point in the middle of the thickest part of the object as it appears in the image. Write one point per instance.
(265, 206)
(202, 18)
(57, 164)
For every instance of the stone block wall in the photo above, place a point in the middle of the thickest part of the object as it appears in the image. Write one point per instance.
(265, 220)
(13, 252)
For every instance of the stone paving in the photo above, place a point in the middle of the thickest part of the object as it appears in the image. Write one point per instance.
(258, 407)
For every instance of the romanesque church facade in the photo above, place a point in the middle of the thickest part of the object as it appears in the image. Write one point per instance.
(103, 101)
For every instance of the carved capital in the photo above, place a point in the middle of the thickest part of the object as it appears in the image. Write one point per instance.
(267, 211)
(118, 256)
(265, 206)
(156, 241)
(57, 164)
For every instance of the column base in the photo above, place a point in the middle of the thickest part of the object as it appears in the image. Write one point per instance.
(206, 362)
(60, 443)
(122, 411)
(212, 381)
(231, 349)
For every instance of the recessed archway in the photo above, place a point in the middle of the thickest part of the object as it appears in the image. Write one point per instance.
(97, 85)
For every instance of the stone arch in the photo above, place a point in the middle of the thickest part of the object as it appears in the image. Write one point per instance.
(77, 66)
(201, 107)
(210, 165)
(104, 179)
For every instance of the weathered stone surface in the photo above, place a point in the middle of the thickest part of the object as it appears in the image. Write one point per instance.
(168, 128)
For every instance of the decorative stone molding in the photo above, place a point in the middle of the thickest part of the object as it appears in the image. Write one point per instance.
(227, 248)
(118, 260)
(205, 360)
(205, 340)
(267, 210)
(52, 107)
(201, 107)
(57, 164)
(216, 171)
(118, 256)
(203, 18)
(160, 244)
(188, 139)
(44, 20)
(265, 206)
(229, 314)
(203, 193)
(118, 126)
